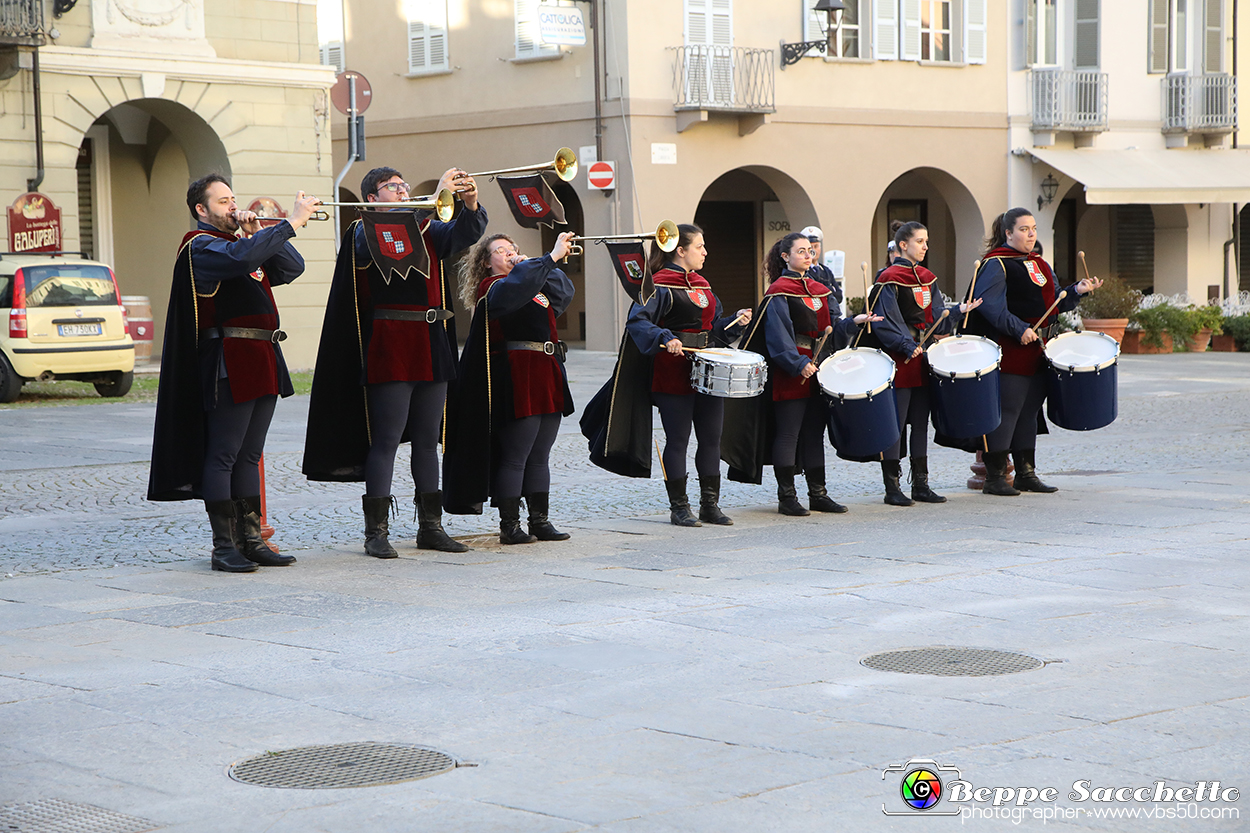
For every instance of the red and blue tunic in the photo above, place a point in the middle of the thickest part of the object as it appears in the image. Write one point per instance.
(907, 299)
(796, 313)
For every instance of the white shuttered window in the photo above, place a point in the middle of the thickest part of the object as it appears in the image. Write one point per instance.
(909, 48)
(427, 35)
(975, 44)
(885, 34)
(1085, 53)
(528, 38)
(1213, 37)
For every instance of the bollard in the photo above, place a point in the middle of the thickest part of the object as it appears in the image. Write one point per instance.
(266, 531)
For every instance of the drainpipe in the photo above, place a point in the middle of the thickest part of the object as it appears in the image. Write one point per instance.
(33, 184)
(595, 22)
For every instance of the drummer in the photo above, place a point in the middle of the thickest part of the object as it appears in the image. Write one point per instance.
(1018, 287)
(685, 314)
(796, 315)
(906, 297)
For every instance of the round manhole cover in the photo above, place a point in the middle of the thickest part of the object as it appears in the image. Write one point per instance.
(952, 662)
(365, 764)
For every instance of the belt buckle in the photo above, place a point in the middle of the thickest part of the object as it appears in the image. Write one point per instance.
(431, 316)
(277, 336)
(549, 348)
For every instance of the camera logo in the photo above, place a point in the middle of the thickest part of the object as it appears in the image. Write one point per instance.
(921, 787)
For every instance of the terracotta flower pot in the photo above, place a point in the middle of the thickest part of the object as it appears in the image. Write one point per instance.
(1198, 344)
(1113, 327)
(1134, 342)
(1224, 344)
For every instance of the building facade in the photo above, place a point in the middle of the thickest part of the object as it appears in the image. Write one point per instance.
(946, 111)
(139, 97)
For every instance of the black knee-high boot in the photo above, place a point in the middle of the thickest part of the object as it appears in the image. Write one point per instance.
(996, 475)
(510, 531)
(817, 496)
(787, 498)
(430, 532)
(920, 482)
(1026, 474)
(248, 538)
(377, 527)
(679, 513)
(891, 471)
(226, 556)
(709, 501)
(540, 526)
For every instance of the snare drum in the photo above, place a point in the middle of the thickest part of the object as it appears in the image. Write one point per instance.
(1082, 383)
(728, 373)
(964, 382)
(859, 385)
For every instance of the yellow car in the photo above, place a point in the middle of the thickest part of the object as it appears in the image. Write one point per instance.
(65, 321)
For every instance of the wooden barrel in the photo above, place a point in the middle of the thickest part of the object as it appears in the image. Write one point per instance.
(142, 327)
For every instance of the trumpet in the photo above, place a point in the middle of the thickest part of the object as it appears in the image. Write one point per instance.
(565, 166)
(442, 204)
(665, 236)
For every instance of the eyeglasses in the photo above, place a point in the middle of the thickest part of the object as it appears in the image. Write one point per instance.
(503, 249)
(395, 187)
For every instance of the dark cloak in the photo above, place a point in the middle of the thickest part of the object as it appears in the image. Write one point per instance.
(617, 421)
(747, 436)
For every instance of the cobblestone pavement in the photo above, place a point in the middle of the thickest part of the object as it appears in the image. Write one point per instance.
(74, 483)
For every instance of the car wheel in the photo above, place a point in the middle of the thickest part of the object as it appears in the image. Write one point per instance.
(10, 382)
(118, 384)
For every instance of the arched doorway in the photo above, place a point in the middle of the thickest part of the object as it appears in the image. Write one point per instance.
(138, 160)
(742, 213)
(949, 211)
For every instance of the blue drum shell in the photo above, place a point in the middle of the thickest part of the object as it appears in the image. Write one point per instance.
(1082, 401)
(863, 427)
(967, 407)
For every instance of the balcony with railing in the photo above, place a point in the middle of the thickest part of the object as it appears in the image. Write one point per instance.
(1067, 101)
(21, 22)
(1199, 104)
(725, 79)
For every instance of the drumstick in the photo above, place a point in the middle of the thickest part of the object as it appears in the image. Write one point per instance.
(658, 453)
(864, 266)
(929, 331)
(1040, 322)
(1081, 256)
(976, 266)
(734, 323)
(820, 345)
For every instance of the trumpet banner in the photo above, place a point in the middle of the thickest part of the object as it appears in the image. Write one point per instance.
(630, 262)
(396, 243)
(532, 201)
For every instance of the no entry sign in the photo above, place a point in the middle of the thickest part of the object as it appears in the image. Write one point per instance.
(602, 176)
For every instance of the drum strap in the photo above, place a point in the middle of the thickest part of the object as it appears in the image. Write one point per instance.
(805, 341)
(696, 340)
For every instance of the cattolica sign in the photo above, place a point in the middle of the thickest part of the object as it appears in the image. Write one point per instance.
(34, 224)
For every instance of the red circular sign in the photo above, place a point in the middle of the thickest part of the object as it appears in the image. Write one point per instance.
(601, 175)
(339, 93)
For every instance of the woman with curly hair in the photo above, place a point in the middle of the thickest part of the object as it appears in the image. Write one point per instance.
(504, 415)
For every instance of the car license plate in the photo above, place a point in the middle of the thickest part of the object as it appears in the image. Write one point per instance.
(78, 329)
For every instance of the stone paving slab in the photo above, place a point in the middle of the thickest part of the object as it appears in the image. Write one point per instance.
(639, 677)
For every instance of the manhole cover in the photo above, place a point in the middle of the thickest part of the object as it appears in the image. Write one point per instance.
(952, 662)
(51, 815)
(366, 764)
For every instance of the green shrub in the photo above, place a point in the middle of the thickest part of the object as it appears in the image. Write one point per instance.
(854, 306)
(1155, 321)
(1115, 299)
(1209, 317)
(1238, 326)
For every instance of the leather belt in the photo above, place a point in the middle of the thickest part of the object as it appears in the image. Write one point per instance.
(429, 316)
(697, 340)
(551, 348)
(253, 333)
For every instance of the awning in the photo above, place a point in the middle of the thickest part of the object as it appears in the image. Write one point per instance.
(1114, 177)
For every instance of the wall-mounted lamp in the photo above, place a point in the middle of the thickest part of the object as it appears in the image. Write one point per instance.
(792, 53)
(1050, 187)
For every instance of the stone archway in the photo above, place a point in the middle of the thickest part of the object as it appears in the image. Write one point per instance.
(145, 152)
(956, 227)
(742, 213)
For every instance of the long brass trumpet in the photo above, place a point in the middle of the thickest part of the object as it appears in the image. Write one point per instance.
(565, 166)
(443, 204)
(665, 236)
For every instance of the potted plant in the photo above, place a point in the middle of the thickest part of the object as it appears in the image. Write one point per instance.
(1157, 325)
(1107, 310)
(1204, 321)
(1237, 331)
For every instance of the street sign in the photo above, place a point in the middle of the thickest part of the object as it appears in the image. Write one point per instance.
(602, 176)
(339, 95)
(561, 25)
(34, 224)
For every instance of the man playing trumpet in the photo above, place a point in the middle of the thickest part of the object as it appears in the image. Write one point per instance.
(387, 354)
(222, 369)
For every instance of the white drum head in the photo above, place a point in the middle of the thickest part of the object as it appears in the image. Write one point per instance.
(856, 373)
(1082, 351)
(963, 356)
(728, 355)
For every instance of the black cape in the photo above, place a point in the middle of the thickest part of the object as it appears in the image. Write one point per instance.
(617, 420)
(747, 436)
(178, 437)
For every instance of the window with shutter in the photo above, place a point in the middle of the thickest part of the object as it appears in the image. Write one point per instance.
(528, 39)
(1180, 36)
(813, 22)
(885, 40)
(332, 55)
(1085, 51)
(1213, 37)
(909, 43)
(975, 46)
(845, 32)
(427, 36)
(1158, 60)
(934, 30)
